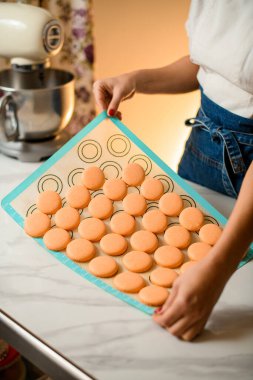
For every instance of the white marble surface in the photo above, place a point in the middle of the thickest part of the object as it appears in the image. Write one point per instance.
(105, 336)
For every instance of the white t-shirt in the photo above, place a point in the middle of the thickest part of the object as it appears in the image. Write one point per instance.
(221, 42)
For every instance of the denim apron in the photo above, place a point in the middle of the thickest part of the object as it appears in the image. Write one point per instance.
(219, 149)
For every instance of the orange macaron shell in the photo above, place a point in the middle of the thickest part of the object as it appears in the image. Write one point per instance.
(154, 221)
(177, 236)
(133, 174)
(129, 282)
(153, 295)
(56, 239)
(37, 224)
(67, 218)
(92, 229)
(210, 233)
(134, 204)
(78, 196)
(145, 241)
(137, 261)
(122, 223)
(169, 257)
(113, 244)
(103, 266)
(49, 202)
(115, 189)
(100, 207)
(152, 189)
(171, 204)
(93, 178)
(191, 218)
(80, 250)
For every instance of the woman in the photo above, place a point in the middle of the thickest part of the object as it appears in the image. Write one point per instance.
(219, 151)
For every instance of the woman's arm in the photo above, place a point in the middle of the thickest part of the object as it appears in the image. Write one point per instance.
(195, 293)
(178, 77)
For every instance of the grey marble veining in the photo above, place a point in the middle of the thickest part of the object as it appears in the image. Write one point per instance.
(105, 336)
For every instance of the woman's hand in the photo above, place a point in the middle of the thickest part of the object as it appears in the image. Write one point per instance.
(192, 299)
(110, 92)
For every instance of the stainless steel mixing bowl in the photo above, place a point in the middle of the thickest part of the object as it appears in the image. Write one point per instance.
(35, 105)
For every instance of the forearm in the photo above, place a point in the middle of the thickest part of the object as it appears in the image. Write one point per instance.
(178, 77)
(238, 233)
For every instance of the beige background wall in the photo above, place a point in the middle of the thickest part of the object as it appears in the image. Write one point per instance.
(132, 34)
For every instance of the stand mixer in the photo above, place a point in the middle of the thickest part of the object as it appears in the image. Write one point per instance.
(36, 101)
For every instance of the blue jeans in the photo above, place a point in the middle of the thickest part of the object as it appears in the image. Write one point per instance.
(219, 150)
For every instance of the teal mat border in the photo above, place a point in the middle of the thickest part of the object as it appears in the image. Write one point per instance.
(60, 153)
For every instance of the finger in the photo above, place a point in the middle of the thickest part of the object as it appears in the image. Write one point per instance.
(168, 302)
(101, 96)
(115, 102)
(119, 115)
(181, 326)
(170, 315)
(193, 331)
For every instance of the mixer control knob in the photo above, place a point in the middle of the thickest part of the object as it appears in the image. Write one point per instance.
(53, 37)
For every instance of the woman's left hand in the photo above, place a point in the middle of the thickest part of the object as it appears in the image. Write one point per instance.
(192, 299)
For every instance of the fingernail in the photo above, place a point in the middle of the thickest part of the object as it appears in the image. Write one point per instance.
(158, 310)
(111, 112)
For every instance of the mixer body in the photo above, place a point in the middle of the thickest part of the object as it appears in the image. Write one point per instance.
(36, 101)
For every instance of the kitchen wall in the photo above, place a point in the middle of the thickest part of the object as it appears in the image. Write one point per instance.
(145, 34)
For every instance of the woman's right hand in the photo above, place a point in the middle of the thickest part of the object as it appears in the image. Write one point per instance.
(110, 92)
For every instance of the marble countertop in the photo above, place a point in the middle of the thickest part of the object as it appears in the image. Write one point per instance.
(101, 334)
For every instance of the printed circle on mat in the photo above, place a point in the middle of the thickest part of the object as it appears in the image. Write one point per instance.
(129, 282)
(168, 184)
(118, 145)
(211, 219)
(75, 177)
(143, 161)
(153, 295)
(103, 266)
(50, 182)
(31, 209)
(111, 169)
(188, 201)
(89, 151)
(152, 206)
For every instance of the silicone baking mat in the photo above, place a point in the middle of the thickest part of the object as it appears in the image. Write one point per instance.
(109, 144)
